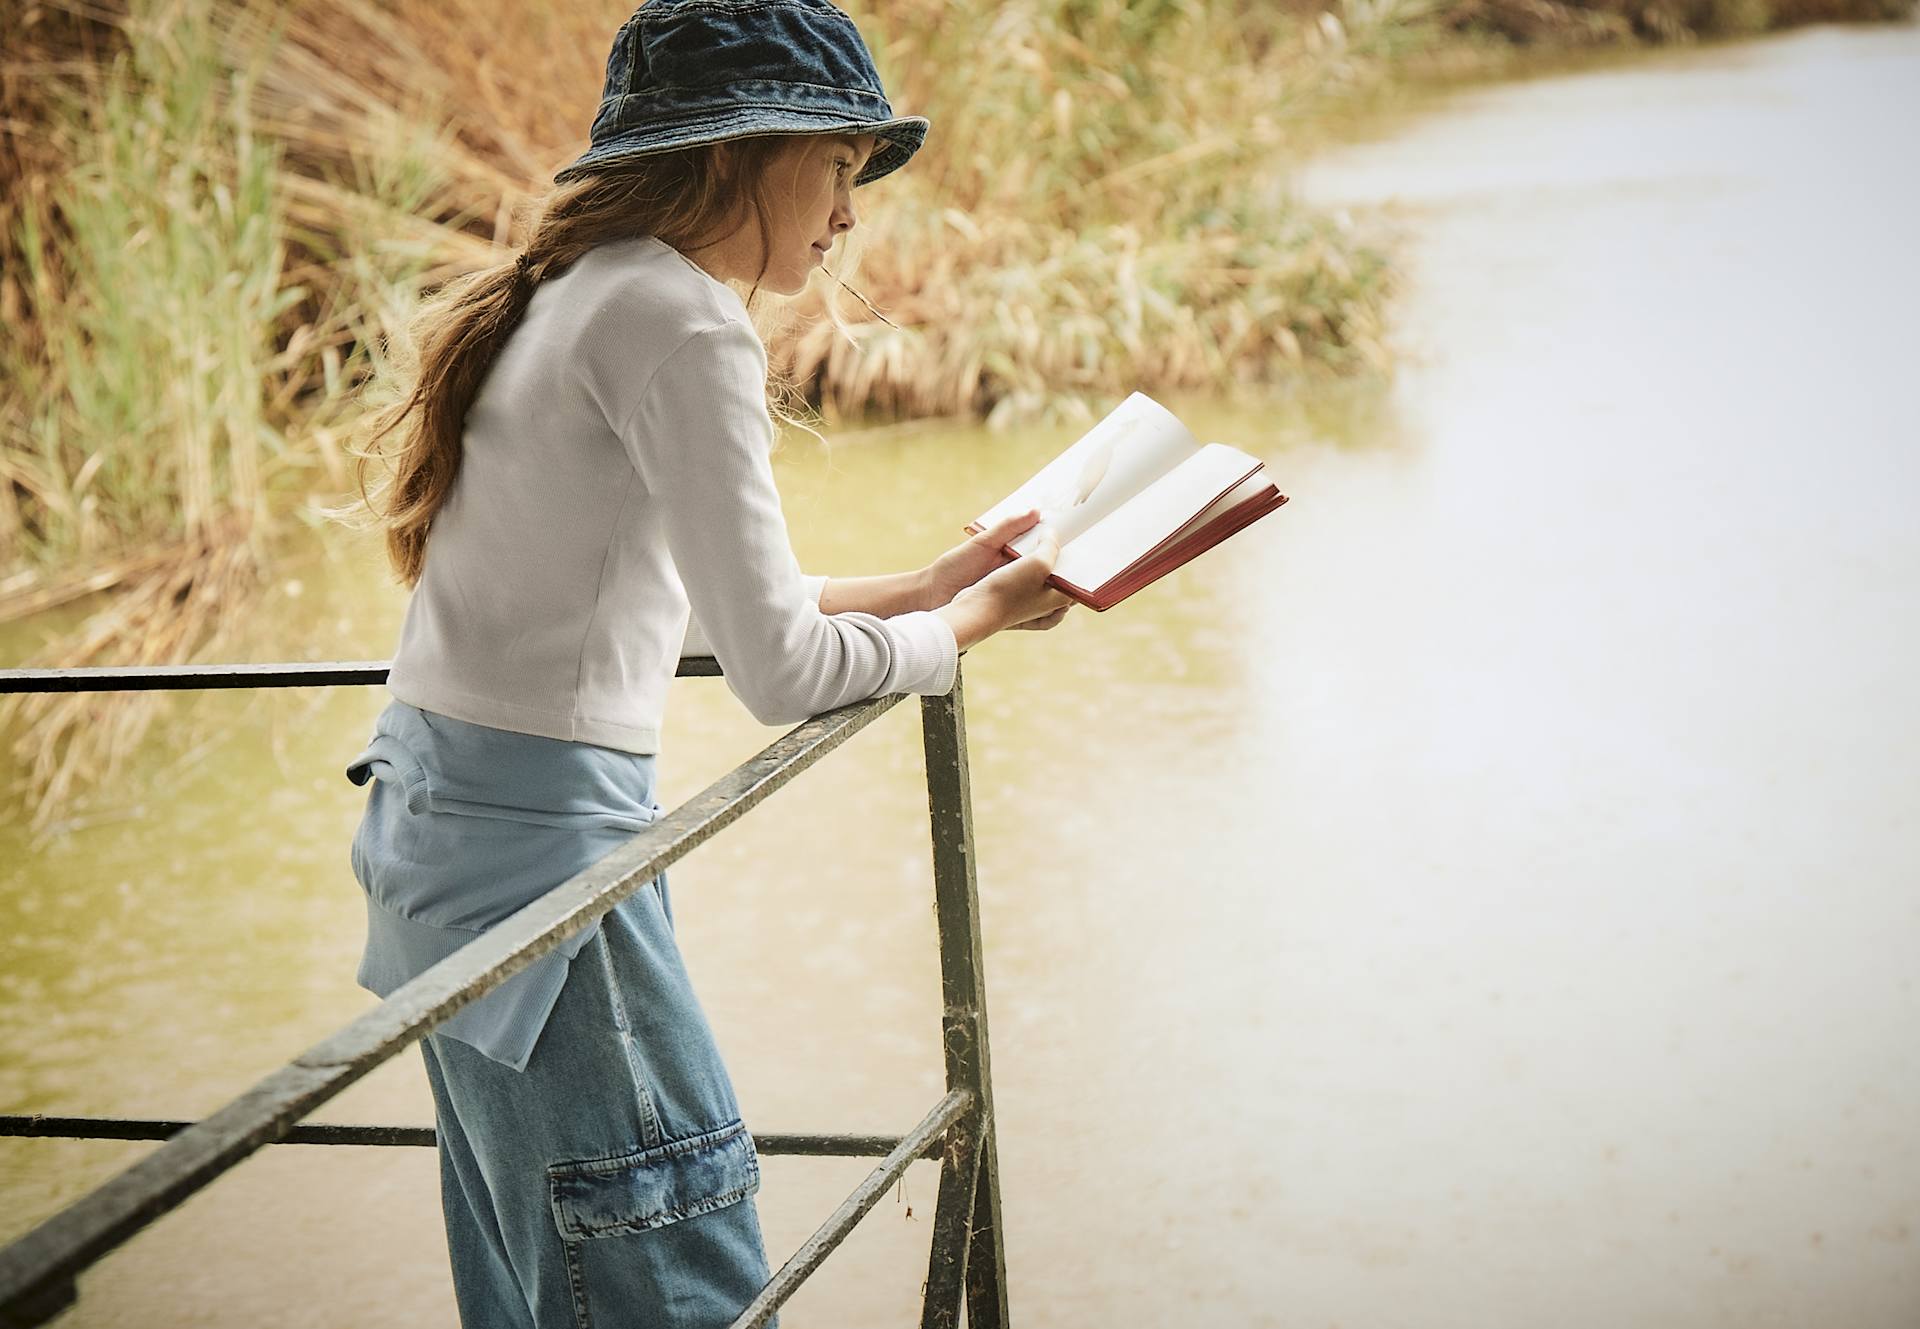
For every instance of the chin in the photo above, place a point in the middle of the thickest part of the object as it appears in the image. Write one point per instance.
(777, 281)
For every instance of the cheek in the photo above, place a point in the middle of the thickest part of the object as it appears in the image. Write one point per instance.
(803, 218)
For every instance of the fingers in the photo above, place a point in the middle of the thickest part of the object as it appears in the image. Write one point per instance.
(1003, 531)
(1036, 565)
(1047, 551)
(1020, 591)
(1046, 621)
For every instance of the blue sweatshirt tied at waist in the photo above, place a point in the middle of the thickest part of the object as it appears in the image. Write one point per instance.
(466, 824)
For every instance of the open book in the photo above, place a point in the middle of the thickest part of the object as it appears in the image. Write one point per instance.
(1134, 499)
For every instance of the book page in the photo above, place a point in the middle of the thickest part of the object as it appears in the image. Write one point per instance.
(1233, 498)
(1145, 521)
(1136, 444)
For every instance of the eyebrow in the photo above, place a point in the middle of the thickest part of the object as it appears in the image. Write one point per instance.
(853, 149)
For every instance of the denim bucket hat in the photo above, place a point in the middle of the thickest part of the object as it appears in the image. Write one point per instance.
(685, 72)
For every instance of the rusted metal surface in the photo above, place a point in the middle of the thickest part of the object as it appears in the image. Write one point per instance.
(967, 1256)
(815, 1249)
(951, 1248)
(60, 1248)
(964, 1023)
(329, 1132)
(987, 1244)
(149, 1128)
(182, 678)
(39, 1306)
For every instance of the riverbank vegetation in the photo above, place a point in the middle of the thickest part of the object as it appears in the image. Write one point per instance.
(217, 213)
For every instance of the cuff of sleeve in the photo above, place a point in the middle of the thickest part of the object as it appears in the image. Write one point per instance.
(815, 587)
(927, 655)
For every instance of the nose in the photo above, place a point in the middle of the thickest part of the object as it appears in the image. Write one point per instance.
(844, 217)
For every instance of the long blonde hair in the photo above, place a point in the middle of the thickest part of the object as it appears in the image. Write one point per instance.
(411, 452)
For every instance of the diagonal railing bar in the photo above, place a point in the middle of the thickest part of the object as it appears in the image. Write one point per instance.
(967, 1261)
(815, 1249)
(37, 1269)
(42, 1127)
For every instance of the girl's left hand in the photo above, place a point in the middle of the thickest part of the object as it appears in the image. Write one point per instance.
(965, 564)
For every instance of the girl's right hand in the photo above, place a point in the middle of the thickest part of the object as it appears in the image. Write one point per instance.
(1013, 596)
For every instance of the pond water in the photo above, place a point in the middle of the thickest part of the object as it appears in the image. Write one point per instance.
(1487, 892)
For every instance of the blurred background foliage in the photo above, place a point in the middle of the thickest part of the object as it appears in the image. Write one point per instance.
(215, 214)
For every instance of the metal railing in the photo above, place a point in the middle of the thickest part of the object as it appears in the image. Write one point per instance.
(967, 1260)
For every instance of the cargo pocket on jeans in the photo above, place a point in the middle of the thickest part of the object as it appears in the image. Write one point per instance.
(663, 1236)
(651, 1188)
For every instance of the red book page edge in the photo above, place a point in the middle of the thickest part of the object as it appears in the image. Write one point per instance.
(1162, 559)
(1145, 573)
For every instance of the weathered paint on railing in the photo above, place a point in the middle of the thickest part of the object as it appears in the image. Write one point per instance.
(972, 1252)
(38, 1126)
(814, 1250)
(37, 1271)
(201, 678)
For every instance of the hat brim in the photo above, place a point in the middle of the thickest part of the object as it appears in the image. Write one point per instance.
(899, 138)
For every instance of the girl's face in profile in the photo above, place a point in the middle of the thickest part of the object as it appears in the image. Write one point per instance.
(809, 194)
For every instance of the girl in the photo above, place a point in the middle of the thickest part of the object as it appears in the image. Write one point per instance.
(577, 489)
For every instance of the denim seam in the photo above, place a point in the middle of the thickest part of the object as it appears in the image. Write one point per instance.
(652, 1130)
(577, 1284)
(626, 1158)
(665, 89)
(838, 115)
(633, 1227)
(733, 7)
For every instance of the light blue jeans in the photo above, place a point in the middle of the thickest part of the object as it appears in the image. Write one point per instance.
(609, 1183)
(594, 1170)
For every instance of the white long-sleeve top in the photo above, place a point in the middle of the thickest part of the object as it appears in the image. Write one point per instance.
(615, 476)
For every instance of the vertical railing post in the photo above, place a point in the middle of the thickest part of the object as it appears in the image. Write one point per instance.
(968, 1244)
(967, 1260)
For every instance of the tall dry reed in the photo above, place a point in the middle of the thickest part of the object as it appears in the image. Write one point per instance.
(177, 381)
(219, 213)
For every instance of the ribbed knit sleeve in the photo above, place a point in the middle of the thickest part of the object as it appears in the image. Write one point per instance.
(697, 643)
(699, 438)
